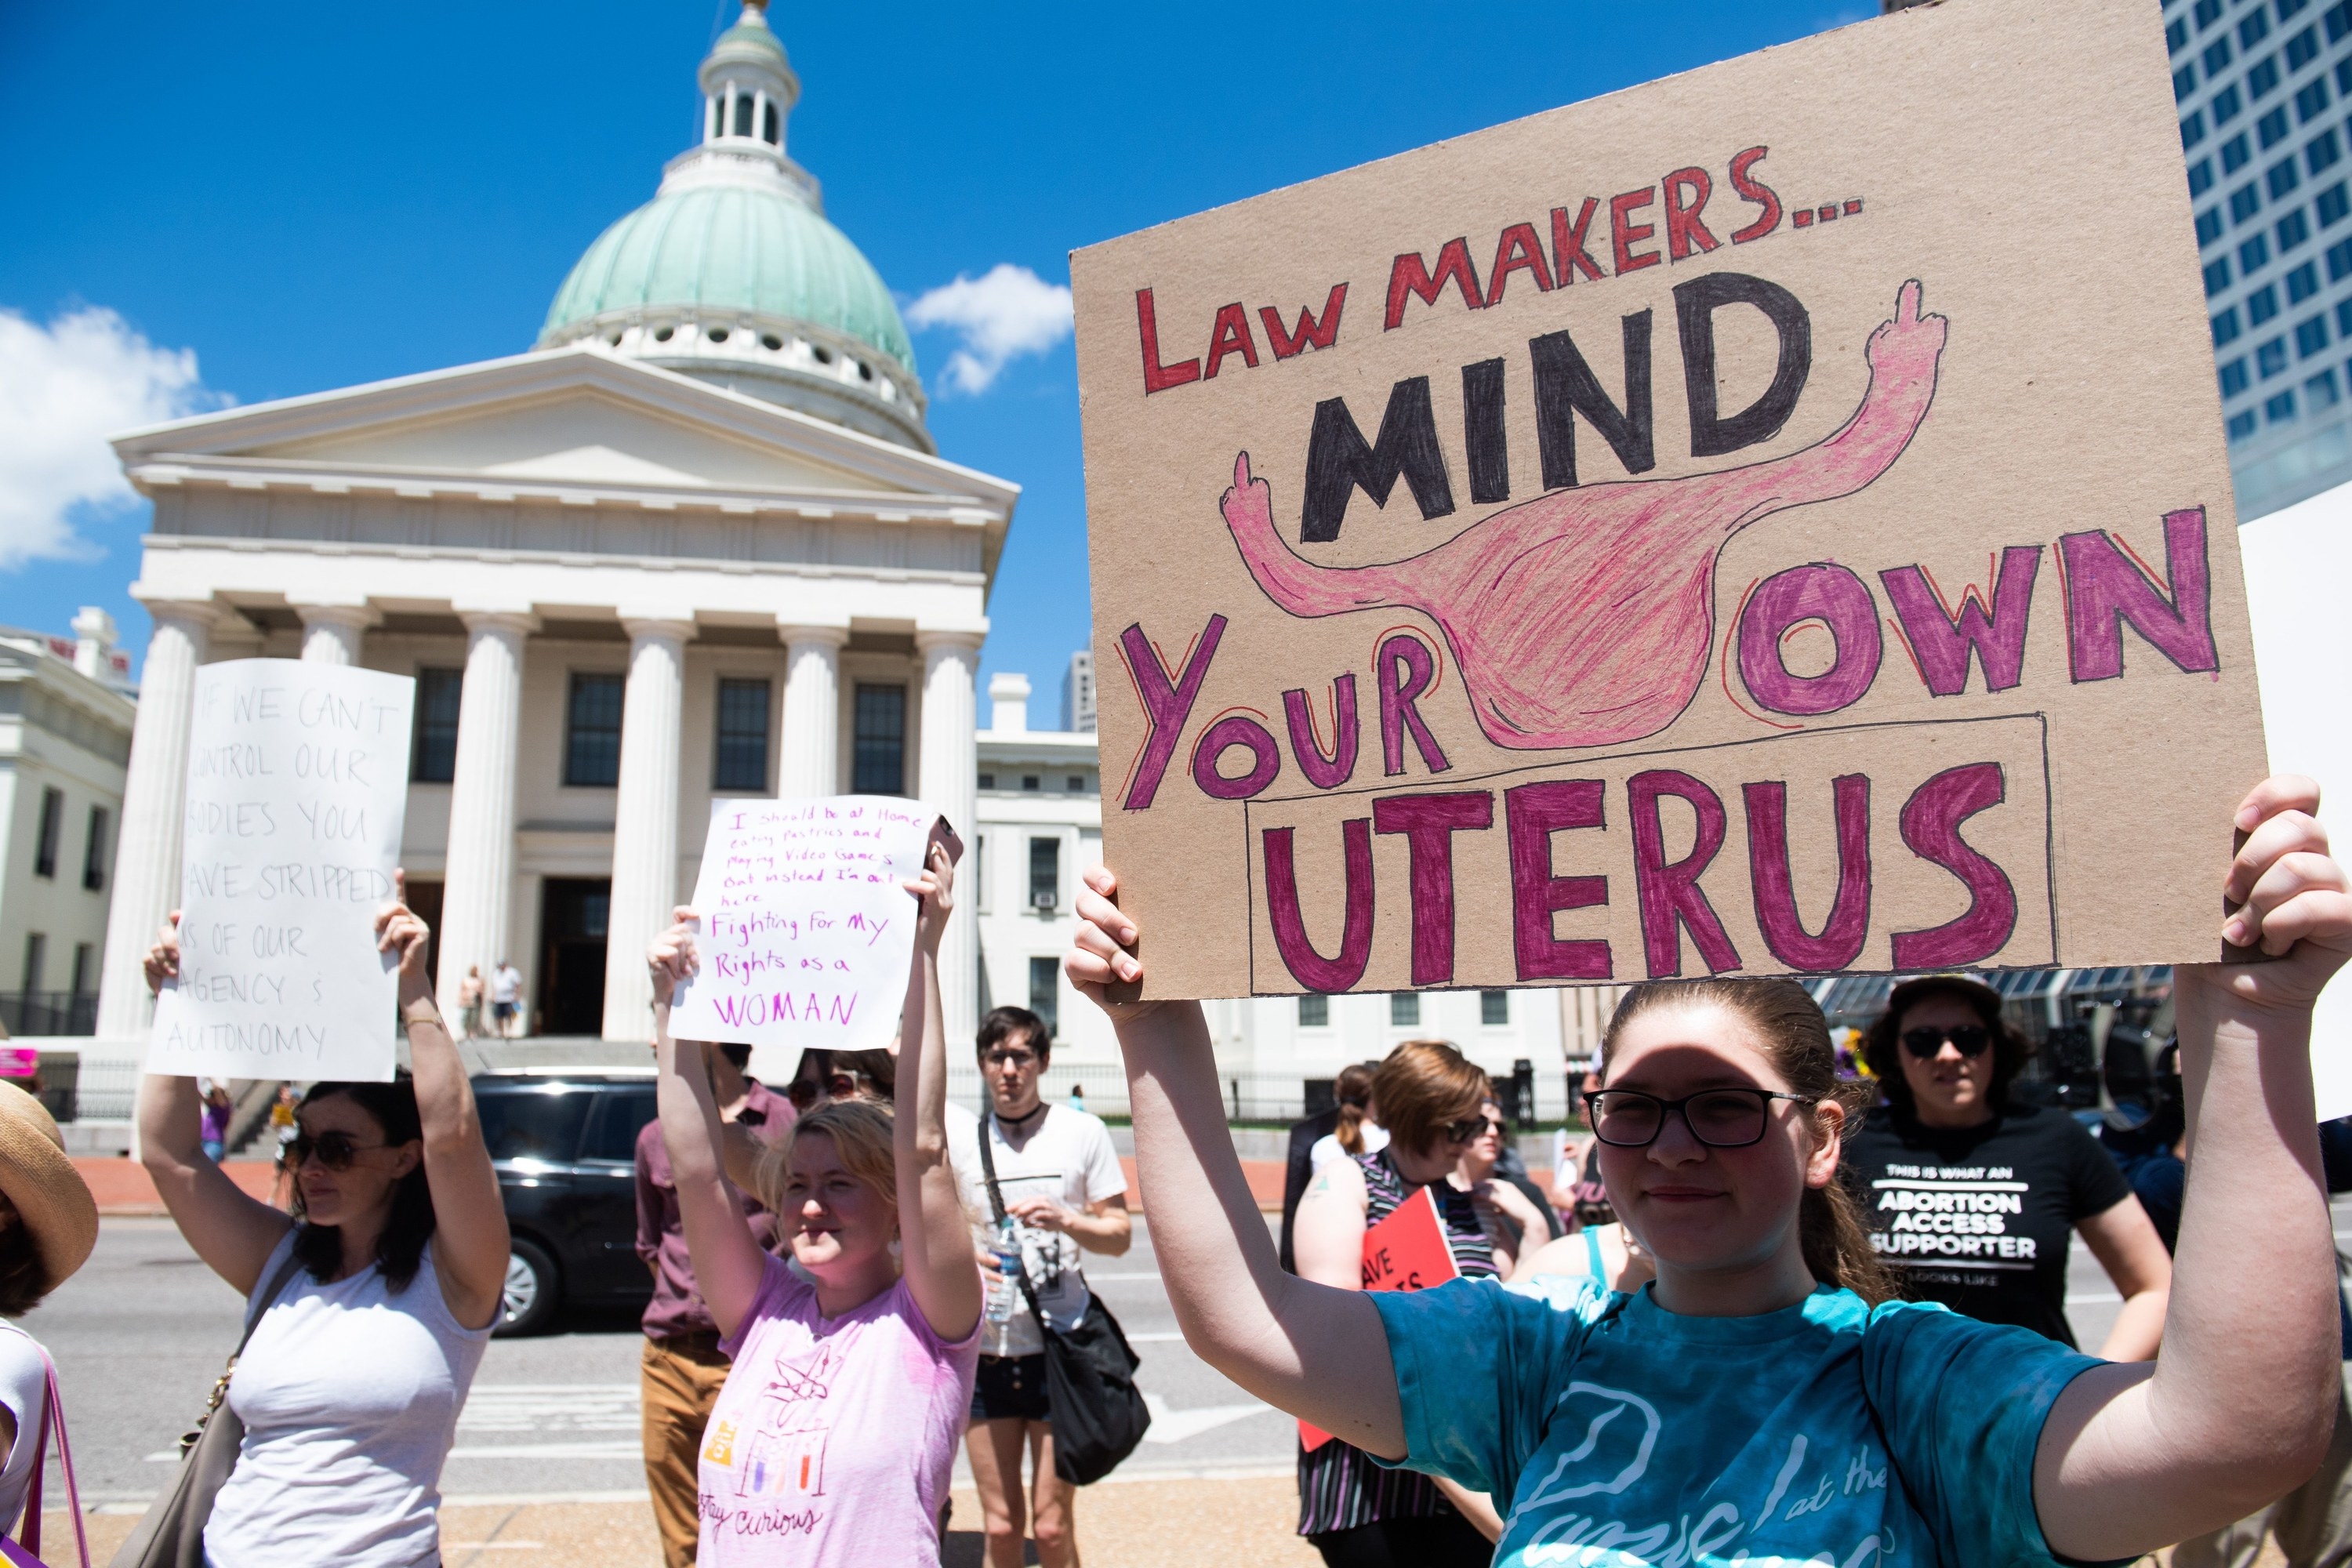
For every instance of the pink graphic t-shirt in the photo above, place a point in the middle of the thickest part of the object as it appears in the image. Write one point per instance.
(833, 1440)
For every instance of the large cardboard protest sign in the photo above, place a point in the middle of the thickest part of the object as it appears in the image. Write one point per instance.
(1775, 518)
(298, 784)
(807, 927)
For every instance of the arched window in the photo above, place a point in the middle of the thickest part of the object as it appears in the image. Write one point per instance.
(768, 126)
(743, 114)
(716, 120)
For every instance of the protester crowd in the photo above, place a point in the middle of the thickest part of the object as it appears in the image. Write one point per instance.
(1766, 1310)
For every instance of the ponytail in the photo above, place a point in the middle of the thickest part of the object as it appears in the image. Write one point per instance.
(1351, 1131)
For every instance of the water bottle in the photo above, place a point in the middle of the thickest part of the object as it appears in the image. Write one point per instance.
(1006, 1290)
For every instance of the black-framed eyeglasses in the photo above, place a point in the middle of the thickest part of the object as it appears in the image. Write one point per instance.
(336, 1151)
(1968, 1039)
(805, 1092)
(1718, 1118)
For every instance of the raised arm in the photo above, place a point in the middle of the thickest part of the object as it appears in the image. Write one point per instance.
(728, 1262)
(232, 1232)
(469, 1218)
(934, 1236)
(2239, 1404)
(1319, 1353)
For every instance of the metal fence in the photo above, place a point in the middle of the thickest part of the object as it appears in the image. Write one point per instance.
(49, 1012)
(1271, 1099)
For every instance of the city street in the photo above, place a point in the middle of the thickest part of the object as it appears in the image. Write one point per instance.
(141, 1332)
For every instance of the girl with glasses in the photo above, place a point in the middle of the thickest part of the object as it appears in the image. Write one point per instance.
(1431, 1101)
(1512, 1208)
(1762, 1399)
(1972, 1196)
(376, 1295)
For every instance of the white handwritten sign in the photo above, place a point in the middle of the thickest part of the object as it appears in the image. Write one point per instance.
(298, 777)
(806, 928)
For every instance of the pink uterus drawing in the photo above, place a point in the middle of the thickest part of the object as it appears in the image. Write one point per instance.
(1585, 616)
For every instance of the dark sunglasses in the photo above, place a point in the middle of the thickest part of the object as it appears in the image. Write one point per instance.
(1968, 1039)
(336, 1151)
(1469, 1127)
(1718, 1118)
(805, 1092)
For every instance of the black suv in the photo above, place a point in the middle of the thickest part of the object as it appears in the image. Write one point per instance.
(565, 1148)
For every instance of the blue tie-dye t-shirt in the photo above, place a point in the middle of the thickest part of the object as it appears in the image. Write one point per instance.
(1612, 1432)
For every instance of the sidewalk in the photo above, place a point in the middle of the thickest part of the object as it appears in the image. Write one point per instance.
(1122, 1525)
(122, 1186)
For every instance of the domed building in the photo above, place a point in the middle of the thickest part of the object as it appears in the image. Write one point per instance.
(696, 543)
(732, 273)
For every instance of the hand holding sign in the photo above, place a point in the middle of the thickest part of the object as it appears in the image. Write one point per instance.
(805, 931)
(297, 791)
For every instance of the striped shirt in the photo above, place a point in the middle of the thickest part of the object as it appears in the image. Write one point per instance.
(1339, 1487)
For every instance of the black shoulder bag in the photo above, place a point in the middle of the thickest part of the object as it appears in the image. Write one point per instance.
(1098, 1414)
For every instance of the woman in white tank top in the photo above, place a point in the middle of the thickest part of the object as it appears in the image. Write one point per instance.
(378, 1294)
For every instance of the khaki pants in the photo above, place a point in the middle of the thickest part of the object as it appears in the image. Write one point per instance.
(679, 1382)
(2313, 1523)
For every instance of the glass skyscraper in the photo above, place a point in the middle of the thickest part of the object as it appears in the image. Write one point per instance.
(2265, 88)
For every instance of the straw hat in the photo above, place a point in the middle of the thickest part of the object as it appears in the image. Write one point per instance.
(48, 1194)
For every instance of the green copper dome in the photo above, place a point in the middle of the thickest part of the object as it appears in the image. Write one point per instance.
(731, 274)
(734, 248)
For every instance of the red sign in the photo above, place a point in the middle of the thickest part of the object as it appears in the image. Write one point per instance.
(1406, 1251)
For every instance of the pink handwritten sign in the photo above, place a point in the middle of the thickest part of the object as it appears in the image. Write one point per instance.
(806, 927)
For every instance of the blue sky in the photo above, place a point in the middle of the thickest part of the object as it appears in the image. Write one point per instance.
(308, 196)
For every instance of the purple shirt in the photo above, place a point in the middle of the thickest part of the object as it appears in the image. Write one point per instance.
(677, 1308)
(776, 1485)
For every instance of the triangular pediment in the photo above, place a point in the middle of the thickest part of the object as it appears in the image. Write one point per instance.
(582, 433)
(577, 416)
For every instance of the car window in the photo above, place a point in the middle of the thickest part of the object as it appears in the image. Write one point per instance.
(533, 1124)
(613, 1128)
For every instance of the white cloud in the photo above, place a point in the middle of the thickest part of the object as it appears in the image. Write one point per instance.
(1005, 312)
(64, 389)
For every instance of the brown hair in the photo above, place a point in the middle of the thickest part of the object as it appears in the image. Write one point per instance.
(1881, 1049)
(862, 1136)
(1353, 1089)
(1797, 1040)
(1422, 1086)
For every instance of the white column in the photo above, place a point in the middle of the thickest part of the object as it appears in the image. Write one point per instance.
(644, 826)
(477, 887)
(147, 857)
(947, 771)
(332, 632)
(810, 763)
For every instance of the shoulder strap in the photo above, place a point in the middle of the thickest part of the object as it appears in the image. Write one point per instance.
(1592, 1249)
(53, 1415)
(996, 1202)
(265, 1300)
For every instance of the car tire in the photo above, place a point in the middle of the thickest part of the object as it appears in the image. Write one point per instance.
(533, 1291)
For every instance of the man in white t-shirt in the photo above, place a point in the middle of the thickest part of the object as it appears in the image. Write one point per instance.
(1063, 1188)
(506, 996)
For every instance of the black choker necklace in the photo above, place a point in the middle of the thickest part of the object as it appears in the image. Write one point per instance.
(1014, 1121)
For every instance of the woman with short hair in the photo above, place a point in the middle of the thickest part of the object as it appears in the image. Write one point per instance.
(833, 1442)
(1432, 1100)
(1761, 1399)
(1971, 1197)
(376, 1295)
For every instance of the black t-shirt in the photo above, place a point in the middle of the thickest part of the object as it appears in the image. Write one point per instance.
(1981, 1218)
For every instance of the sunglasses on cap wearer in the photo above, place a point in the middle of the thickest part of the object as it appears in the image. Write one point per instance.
(805, 1093)
(1968, 1039)
(336, 1151)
